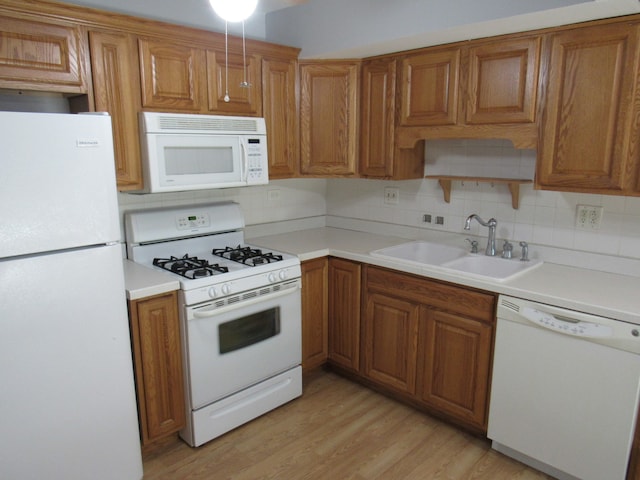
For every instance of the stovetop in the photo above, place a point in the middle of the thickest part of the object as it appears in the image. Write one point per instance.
(203, 246)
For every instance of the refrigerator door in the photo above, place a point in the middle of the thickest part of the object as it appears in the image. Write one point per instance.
(57, 182)
(67, 394)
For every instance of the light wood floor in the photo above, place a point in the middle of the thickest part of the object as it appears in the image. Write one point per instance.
(338, 430)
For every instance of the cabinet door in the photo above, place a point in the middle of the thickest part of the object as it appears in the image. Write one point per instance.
(279, 110)
(40, 55)
(377, 118)
(503, 81)
(344, 313)
(229, 73)
(430, 88)
(328, 118)
(588, 126)
(390, 341)
(155, 332)
(172, 76)
(455, 356)
(116, 89)
(315, 313)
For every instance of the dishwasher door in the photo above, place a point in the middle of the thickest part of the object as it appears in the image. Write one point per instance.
(564, 391)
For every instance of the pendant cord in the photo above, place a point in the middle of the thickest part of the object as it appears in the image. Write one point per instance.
(245, 83)
(226, 61)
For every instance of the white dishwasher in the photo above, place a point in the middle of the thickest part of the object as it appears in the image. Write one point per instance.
(564, 392)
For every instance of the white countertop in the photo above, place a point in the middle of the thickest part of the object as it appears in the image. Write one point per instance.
(141, 281)
(599, 293)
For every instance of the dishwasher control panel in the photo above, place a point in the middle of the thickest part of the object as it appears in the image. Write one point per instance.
(566, 325)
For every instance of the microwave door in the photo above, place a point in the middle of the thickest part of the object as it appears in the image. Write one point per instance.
(187, 162)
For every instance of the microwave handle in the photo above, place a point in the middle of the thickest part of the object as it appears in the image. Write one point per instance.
(245, 161)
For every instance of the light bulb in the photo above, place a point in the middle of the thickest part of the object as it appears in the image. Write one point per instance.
(234, 10)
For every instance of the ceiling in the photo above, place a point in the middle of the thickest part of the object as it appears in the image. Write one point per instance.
(266, 6)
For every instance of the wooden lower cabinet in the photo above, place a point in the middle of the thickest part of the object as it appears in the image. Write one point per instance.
(390, 335)
(344, 314)
(454, 355)
(431, 342)
(314, 313)
(155, 335)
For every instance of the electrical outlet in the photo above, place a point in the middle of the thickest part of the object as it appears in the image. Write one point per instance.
(588, 217)
(273, 196)
(391, 195)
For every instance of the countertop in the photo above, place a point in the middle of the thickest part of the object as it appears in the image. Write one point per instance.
(581, 289)
(141, 282)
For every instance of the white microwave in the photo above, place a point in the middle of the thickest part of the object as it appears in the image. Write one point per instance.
(196, 152)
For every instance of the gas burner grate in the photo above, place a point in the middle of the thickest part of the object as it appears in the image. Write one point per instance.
(189, 267)
(247, 255)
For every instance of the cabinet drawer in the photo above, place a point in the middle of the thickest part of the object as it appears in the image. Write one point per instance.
(471, 303)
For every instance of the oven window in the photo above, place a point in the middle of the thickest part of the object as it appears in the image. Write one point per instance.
(245, 331)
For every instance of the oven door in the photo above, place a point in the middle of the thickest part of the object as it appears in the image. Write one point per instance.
(242, 340)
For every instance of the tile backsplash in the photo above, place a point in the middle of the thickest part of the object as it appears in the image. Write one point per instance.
(546, 219)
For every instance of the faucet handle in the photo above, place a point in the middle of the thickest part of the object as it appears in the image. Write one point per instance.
(507, 249)
(474, 245)
(525, 252)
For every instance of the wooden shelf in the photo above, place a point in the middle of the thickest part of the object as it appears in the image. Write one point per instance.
(513, 184)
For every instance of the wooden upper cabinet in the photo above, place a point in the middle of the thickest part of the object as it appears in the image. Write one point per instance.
(589, 131)
(242, 80)
(280, 115)
(328, 117)
(502, 81)
(379, 155)
(172, 76)
(116, 89)
(39, 55)
(430, 88)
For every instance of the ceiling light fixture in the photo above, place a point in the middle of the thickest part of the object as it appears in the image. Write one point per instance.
(234, 11)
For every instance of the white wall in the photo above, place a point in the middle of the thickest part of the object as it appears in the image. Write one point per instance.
(544, 218)
(361, 28)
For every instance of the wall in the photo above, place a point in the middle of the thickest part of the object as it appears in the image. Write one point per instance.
(361, 28)
(546, 219)
(300, 203)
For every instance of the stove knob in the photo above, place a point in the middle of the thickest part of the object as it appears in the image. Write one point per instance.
(226, 289)
(272, 277)
(212, 292)
(283, 275)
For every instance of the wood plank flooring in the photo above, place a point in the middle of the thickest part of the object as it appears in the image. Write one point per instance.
(338, 430)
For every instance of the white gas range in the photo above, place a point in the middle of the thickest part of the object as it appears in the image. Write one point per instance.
(240, 313)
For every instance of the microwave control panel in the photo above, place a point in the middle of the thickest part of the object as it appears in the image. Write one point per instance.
(257, 168)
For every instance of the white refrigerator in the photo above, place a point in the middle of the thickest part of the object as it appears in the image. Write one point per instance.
(67, 398)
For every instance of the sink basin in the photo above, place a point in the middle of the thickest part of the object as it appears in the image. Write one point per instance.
(421, 251)
(496, 268)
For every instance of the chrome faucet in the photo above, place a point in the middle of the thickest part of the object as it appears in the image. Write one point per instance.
(491, 224)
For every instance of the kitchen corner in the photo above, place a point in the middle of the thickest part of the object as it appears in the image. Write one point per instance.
(601, 293)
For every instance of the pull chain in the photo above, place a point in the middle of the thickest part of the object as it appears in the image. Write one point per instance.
(245, 83)
(226, 61)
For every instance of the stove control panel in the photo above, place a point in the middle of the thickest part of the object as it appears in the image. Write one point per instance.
(187, 222)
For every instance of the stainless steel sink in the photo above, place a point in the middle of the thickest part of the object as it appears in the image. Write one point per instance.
(456, 259)
(495, 268)
(421, 251)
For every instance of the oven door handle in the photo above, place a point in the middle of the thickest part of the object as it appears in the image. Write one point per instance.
(220, 310)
